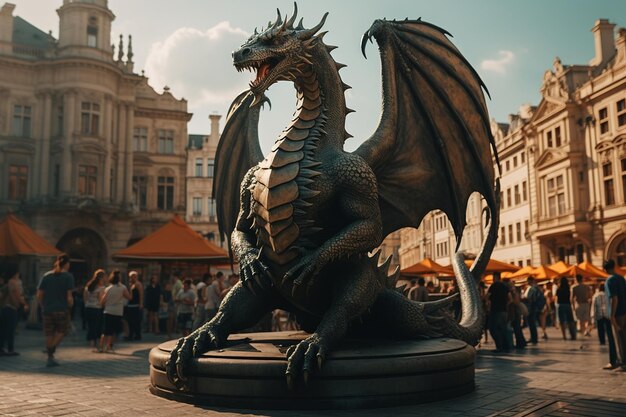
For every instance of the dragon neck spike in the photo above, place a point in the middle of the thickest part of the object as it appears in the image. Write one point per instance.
(307, 34)
(293, 18)
(300, 25)
(279, 19)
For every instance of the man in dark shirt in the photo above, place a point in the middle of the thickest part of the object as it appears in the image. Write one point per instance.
(615, 288)
(499, 297)
(55, 296)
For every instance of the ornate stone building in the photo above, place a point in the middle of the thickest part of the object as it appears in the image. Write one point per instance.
(201, 215)
(90, 155)
(563, 176)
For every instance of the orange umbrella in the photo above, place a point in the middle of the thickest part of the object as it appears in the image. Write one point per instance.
(16, 238)
(544, 272)
(560, 267)
(488, 278)
(174, 241)
(585, 269)
(426, 267)
(495, 266)
(522, 273)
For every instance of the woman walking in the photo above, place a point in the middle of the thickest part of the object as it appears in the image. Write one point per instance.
(113, 302)
(93, 309)
(564, 309)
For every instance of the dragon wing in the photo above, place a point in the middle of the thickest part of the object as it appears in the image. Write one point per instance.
(431, 148)
(238, 151)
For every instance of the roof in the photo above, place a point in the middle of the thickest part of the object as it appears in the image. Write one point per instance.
(16, 238)
(426, 267)
(174, 241)
(28, 35)
(196, 141)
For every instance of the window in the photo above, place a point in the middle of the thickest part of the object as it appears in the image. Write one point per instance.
(140, 139)
(549, 143)
(524, 191)
(515, 161)
(197, 206)
(21, 121)
(89, 118)
(511, 233)
(623, 163)
(212, 212)
(520, 263)
(198, 167)
(556, 196)
(526, 230)
(603, 118)
(441, 249)
(140, 192)
(166, 141)
(210, 168)
(522, 157)
(518, 197)
(60, 121)
(507, 165)
(18, 182)
(87, 180)
(92, 32)
(518, 231)
(607, 177)
(557, 137)
(621, 112)
(165, 193)
(508, 197)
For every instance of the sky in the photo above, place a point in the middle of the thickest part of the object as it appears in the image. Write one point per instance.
(187, 46)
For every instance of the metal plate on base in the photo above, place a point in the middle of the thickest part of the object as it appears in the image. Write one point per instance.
(250, 373)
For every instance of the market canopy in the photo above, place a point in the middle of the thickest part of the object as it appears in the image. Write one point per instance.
(522, 273)
(16, 238)
(174, 241)
(587, 270)
(427, 267)
(495, 266)
(544, 272)
(560, 267)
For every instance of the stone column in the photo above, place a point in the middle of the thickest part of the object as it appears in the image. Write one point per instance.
(121, 135)
(130, 122)
(107, 120)
(69, 115)
(44, 173)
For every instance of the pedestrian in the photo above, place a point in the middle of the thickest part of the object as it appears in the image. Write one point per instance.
(134, 309)
(55, 297)
(93, 309)
(419, 292)
(9, 312)
(499, 297)
(516, 313)
(167, 311)
(600, 313)
(536, 304)
(200, 313)
(113, 303)
(615, 288)
(152, 301)
(581, 298)
(186, 299)
(564, 309)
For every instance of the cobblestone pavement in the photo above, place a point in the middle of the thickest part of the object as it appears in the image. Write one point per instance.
(554, 378)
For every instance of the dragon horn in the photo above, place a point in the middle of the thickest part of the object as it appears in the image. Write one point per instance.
(307, 34)
(279, 20)
(293, 18)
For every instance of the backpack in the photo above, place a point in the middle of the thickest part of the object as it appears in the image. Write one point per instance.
(538, 300)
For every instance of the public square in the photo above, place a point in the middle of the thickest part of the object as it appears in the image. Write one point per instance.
(553, 378)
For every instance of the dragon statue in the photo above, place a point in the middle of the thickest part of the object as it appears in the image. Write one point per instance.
(306, 217)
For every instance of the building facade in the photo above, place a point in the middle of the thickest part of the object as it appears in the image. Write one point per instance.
(91, 157)
(563, 177)
(201, 210)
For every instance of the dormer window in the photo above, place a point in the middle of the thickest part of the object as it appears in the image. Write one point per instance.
(92, 32)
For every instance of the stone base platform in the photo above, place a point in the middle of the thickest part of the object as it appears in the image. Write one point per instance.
(364, 373)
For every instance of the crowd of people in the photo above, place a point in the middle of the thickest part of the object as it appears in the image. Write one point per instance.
(109, 305)
(575, 309)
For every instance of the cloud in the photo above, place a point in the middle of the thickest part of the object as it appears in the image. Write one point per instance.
(498, 65)
(196, 65)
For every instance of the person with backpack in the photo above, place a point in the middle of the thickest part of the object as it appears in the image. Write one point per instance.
(536, 303)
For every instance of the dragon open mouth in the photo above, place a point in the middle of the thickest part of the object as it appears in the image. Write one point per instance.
(262, 68)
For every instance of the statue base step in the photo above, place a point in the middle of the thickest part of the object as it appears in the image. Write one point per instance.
(363, 373)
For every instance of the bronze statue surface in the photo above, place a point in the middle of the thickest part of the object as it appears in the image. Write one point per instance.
(305, 217)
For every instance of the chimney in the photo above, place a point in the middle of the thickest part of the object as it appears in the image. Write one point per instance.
(6, 28)
(620, 45)
(215, 128)
(604, 42)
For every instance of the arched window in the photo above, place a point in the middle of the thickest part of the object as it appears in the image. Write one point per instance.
(620, 253)
(92, 32)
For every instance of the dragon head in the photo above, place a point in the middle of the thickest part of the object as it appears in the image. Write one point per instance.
(280, 52)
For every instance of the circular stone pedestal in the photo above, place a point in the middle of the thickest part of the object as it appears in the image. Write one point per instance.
(250, 373)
